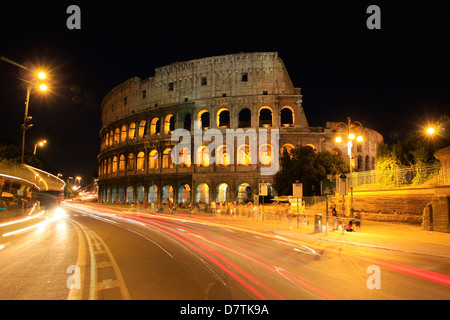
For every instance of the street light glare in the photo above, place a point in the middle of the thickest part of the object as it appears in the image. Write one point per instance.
(338, 139)
(43, 87)
(430, 130)
(351, 136)
(359, 139)
(41, 75)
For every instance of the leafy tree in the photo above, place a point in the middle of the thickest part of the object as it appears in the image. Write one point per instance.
(308, 167)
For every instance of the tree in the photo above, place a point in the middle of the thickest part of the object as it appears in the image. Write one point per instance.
(308, 167)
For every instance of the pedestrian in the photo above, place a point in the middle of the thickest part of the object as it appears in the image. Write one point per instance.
(358, 222)
(349, 228)
(334, 214)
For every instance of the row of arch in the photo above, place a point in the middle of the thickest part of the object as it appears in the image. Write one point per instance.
(168, 194)
(167, 124)
(205, 157)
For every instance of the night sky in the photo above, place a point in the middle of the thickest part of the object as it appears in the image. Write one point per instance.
(392, 80)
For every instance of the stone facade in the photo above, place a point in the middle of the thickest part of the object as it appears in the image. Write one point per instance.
(246, 90)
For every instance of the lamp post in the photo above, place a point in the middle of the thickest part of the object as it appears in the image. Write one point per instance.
(351, 131)
(40, 144)
(25, 126)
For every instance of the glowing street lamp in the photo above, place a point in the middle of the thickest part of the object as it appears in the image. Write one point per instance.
(40, 144)
(41, 75)
(351, 131)
(431, 131)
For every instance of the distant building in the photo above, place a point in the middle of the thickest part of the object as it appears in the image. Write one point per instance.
(245, 90)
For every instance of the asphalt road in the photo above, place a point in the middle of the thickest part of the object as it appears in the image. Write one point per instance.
(89, 254)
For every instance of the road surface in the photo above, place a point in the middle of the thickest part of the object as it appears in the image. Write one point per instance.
(92, 253)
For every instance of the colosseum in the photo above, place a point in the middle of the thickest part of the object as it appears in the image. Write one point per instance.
(237, 91)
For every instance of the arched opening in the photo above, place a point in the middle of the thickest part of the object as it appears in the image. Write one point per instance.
(132, 131)
(223, 193)
(130, 162)
(244, 193)
(155, 127)
(142, 132)
(140, 161)
(121, 195)
(153, 161)
(184, 194)
(167, 158)
(184, 157)
(167, 196)
(152, 194)
(114, 164)
(140, 193)
(169, 124)
(203, 159)
(203, 116)
(111, 138)
(245, 118)
(312, 147)
(265, 154)
(116, 136)
(114, 195)
(122, 163)
(360, 163)
(223, 118)
(130, 195)
(223, 156)
(336, 152)
(243, 155)
(367, 160)
(202, 194)
(287, 117)
(289, 147)
(123, 134)
(265, 117)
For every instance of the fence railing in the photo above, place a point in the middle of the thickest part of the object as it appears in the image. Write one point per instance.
(412, 177)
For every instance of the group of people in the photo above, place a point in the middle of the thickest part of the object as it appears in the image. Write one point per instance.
(354, 224)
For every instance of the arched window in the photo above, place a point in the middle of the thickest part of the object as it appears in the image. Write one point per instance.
(114, 164)
(130, 194)
(155, 127)
(203, 156)
(123, 134)
(140, 161)
(265, 154)
(109, 166)
(111, 137)
(287, 117)
(116, 136)
(152, 194)
(132, 131)
(243, 155)
(360, 163)
(265, 117)
(142, 129)
(185, 157)
(107, 140)
(223, 118)
(167, 158)
(312, 147)
(105, 166)
(223, 156)
(245, 118)
(167, 195)
(169, 124)
(130, 162)
(367, 166)
(153, 160)
(122, 163)
(202, 194)
(203, 116)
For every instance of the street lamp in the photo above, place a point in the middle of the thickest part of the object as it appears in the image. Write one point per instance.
(40, 144)
(350, 131)
(41, 75)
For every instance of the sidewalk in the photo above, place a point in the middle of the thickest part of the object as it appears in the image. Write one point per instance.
(382, 235)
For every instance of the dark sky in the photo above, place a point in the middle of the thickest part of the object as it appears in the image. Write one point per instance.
(393, 79)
